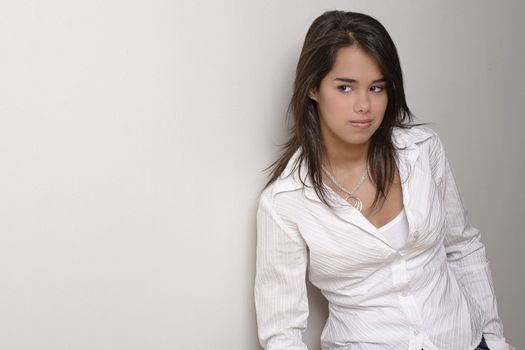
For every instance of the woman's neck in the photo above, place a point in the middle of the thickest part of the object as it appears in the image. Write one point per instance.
(348, 159)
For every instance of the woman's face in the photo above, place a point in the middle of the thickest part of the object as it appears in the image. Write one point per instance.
(351, 99)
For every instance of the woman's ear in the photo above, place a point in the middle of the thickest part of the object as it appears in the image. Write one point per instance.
(313, 94)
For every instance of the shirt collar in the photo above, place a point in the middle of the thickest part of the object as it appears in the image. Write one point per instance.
(409, 138)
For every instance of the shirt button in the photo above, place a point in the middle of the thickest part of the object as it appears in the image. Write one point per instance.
(416, 332)
(404, 294)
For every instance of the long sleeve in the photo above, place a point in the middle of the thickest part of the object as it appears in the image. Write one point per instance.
(466, 254)
(280, 289)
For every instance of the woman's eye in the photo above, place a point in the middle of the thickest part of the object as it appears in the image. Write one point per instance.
(377, 88)
(345, 88)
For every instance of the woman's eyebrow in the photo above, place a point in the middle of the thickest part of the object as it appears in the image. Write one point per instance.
(346, 80)
(350, 80)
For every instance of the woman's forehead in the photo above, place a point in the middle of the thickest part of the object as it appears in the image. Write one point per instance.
(353, 62)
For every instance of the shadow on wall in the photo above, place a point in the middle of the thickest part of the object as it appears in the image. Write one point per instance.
(317, 317)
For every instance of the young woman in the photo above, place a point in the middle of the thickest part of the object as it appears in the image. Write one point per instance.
(368, 202)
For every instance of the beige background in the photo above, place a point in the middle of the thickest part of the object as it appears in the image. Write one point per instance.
(132, 139)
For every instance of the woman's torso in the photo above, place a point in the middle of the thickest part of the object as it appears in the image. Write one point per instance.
(375, 291)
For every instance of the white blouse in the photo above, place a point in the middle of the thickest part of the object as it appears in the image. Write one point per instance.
(435, 292)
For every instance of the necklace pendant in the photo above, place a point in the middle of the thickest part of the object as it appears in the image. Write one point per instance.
(357, 203)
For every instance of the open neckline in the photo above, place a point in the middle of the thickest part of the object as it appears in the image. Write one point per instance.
(345, 203)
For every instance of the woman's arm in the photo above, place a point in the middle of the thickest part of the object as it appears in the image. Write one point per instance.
(466, 253)
(280, 289)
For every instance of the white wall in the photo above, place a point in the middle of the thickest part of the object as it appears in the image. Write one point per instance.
(132, 139)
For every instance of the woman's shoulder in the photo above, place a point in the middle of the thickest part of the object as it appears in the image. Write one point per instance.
(282, 198)
(425, 140)
(288, 187)
(291, 178)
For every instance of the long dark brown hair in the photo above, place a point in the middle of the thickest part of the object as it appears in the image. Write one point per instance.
(328, 33)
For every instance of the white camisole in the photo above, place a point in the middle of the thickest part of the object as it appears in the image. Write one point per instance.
(396, 231)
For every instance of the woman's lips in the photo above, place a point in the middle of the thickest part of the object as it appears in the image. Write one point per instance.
(361, 124)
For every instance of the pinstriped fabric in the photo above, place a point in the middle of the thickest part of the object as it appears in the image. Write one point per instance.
(435, 292)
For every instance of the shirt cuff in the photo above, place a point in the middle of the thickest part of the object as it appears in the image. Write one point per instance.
(497, 343)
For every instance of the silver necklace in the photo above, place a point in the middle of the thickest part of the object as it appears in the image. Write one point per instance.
(357, 203)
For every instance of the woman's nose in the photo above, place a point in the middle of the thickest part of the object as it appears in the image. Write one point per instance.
(362, 104)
